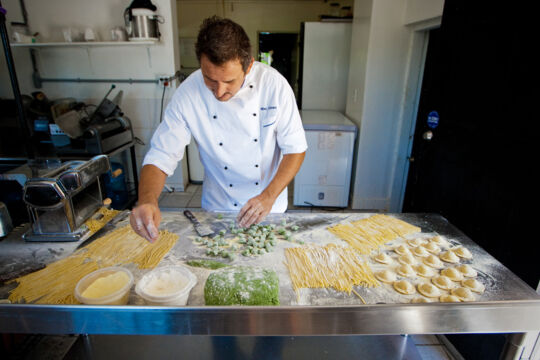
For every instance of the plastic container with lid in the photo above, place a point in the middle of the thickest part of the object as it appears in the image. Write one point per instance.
(118, 296)
(166, 286)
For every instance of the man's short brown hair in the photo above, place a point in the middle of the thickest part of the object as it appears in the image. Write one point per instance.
(222, 40)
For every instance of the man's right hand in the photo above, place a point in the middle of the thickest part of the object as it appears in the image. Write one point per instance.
(145, 219)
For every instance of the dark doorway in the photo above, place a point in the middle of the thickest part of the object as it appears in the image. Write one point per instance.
(476, 168)
(283, 50)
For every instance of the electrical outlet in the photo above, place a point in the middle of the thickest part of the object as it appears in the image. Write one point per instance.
(164, 81)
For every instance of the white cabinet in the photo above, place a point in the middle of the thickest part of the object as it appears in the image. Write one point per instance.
(325, 176)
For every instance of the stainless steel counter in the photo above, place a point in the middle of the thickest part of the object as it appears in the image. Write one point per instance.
(508, 305)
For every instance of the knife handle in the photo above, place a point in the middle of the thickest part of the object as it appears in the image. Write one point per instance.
(191, 217)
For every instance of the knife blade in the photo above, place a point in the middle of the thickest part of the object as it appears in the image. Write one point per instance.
(202, 230)
(119, 217)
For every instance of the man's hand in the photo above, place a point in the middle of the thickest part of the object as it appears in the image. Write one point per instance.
(145, 220)
(255, 210)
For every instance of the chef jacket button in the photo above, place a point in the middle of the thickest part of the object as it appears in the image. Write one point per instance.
(255, 140)
(256, 165)
(230, 185)
(254, 114)
(225, 168)
(256, 183)
(235, 204)
(215, 116)
(220, 144)
(251, 86)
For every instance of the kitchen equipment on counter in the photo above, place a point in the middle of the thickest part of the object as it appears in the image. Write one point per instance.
(142, 21)
(5, 220)
(60, 201)
(202, 230)
(325, 176)
(104, 130)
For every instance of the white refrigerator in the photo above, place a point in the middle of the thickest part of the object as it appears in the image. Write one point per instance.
(324, 72)
(325, 176)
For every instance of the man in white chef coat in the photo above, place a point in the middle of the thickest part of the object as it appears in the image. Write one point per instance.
(244, 118)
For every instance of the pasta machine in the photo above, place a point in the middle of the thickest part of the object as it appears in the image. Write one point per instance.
(60, 201)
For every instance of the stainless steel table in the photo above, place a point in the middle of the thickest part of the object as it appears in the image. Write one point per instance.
(509, 305)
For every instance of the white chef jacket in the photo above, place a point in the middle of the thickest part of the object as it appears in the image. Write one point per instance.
(241, 141)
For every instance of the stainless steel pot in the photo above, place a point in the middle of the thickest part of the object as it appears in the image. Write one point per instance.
(5, 220)
(142, 24)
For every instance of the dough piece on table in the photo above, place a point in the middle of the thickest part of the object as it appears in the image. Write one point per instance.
(467, 270)
(433, 261)
(449, 257)
(452, 273)
(407, 260)
(474, 285)
(449, 298)
(404, 287)
(402, 250)
(462, 252)
(463, 294)
(429, 290)
(425, 271)
(207, 264)
(439, 240)
(443, 282)
(386, 276)
(432, 248)
(382, 258)
(242, 285)
(420, 251)
(405, 270)
(415, 242)
(421, 300)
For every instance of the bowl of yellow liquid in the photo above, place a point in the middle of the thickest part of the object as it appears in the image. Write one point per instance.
(107, 286)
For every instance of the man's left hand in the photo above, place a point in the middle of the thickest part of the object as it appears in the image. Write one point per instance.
(255, 210)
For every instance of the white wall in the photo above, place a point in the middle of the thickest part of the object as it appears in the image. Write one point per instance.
(141, 102)
(253, 15)
(381, 51)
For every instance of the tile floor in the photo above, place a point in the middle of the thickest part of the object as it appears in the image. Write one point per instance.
(430, 347)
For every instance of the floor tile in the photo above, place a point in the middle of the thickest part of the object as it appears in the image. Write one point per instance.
(425, 339)
(192, 188)
(174, 200)
(433, 352)
(195, 201)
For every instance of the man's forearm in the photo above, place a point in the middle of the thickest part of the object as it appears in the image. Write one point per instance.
(289, 166)
(151, 184)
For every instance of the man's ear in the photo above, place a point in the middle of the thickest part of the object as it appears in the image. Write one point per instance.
(250, 65)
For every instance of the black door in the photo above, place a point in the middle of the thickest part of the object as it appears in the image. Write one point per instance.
(477, 169)
(473, 157)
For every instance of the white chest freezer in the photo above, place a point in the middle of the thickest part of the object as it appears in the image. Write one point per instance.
(325, 176)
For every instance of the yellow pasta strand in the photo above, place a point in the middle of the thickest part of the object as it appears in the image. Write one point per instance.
(94, 224)
(369, 234)
(314, 266)
(55, 283)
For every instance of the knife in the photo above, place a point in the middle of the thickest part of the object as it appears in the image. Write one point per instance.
(201, 229)
(119, 217)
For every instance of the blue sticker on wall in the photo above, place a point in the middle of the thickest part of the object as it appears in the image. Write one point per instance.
(433, 119)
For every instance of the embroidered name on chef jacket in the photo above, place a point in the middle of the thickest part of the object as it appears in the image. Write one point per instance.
(269, 111)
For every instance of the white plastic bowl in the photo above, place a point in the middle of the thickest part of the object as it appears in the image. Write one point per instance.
(119, 297)
(166, 286)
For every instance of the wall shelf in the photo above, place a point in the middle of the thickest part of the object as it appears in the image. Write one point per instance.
(85, 44)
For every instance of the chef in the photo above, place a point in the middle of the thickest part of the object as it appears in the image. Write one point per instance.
(244, 118)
